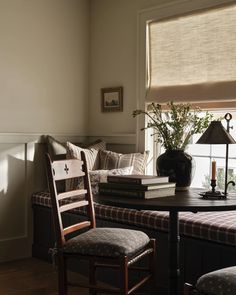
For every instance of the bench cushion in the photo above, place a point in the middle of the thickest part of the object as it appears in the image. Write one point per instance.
(212, 226)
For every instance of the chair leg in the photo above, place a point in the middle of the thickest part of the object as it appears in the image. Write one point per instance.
(62, 275)
(92, 276)
(152, 267)
(124, 275)
(188, 289)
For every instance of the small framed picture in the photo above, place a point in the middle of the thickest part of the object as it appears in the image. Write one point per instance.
(112, 99)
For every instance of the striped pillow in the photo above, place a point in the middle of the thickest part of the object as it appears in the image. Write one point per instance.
(91, 153)
(92, 157)
(111, 160)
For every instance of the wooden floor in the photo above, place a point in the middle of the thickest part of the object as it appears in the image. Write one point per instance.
(32, 277)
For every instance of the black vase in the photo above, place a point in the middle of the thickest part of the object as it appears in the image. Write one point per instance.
(178, 165)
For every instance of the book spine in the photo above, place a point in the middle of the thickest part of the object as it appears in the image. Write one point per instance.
(123, 186)
(115, 192)
(123, 180)
(139, 187)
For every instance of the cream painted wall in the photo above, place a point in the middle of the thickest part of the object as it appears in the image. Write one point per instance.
(44, 54)
(50, 83)
(44, 49)
(113, 61)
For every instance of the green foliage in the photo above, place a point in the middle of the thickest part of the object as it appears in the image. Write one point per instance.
(175, 126)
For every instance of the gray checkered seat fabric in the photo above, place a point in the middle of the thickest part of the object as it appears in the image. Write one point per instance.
(107, 242)
(219, 282)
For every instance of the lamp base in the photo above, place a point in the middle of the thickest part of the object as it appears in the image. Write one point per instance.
(216, 195)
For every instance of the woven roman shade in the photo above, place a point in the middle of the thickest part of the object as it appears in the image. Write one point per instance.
(192, 58)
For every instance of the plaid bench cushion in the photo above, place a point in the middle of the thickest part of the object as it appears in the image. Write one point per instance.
(212, 226)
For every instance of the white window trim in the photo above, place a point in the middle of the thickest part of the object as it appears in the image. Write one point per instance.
(156, 13)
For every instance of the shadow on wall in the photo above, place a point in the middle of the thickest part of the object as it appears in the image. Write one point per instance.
(1, 193)
(14, 201)
(22, 172)
(40, 178)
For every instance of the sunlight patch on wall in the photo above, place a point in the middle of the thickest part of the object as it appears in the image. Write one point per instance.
(3, 175)
(7, 152)
(30, 151)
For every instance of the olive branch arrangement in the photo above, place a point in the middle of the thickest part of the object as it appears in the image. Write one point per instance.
(175, 125)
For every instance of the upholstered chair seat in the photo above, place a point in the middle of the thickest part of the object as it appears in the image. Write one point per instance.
(108, 242)
(219, 282)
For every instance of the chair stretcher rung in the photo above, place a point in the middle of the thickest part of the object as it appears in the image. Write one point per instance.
(138, 285)
(107, 290)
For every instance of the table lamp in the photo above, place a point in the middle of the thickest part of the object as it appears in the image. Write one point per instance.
(217, 134)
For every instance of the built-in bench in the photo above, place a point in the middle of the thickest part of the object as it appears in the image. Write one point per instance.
(208, 239)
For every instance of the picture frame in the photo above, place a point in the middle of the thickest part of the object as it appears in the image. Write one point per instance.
(112, 99)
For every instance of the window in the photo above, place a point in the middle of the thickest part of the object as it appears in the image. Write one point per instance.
(204, 154)
(192, 58)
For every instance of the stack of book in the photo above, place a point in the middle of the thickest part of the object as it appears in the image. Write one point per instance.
(137, 186)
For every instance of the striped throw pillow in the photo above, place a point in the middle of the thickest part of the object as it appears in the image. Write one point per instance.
(111, 160)
(92, 157)
(91, 153)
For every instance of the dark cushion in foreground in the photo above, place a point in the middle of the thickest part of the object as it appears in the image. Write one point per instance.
(219, 282)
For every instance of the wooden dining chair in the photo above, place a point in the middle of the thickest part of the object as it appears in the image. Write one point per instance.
(218, 282)
(116, 248)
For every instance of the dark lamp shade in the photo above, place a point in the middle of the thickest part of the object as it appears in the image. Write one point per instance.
(216, 134)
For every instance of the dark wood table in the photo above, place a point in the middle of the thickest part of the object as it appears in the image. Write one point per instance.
(183, 201)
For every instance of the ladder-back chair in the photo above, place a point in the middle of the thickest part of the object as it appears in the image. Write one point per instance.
(117, 248)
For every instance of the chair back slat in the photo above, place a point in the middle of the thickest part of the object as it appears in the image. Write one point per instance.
(67, 200)
(73, 205)
(75, 227)
(71, 194)
(66, 169)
